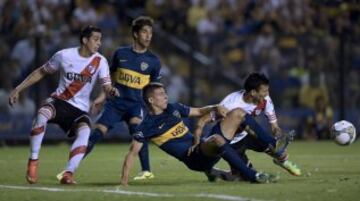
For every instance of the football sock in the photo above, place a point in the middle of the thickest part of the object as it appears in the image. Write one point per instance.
(78, 148)
(261, 134)
(230, 155)
(132, 128)
(94, 138)
(144, 157)
(38, 131)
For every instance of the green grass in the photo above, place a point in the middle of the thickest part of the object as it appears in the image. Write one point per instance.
(330, 172)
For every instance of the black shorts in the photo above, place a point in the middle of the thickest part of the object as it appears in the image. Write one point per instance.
(249, 142)
(198, 161)
(67, 116)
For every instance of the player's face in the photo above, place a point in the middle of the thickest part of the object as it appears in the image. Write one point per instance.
(159, 98)
(93, 43)
(261, 93)
(143, 37)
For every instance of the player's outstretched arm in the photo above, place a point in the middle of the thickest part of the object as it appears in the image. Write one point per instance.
(129, 161)
(198, 130)
(198, 112)
(31, 79)
(98, 102)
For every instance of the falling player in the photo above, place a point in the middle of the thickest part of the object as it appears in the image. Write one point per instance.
(163, 125)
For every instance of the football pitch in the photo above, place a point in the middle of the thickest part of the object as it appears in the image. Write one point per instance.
(330, 172)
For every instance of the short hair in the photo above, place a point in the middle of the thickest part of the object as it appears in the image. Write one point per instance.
(254, 81)
(87, 31)
(149, 89)
(140, 22)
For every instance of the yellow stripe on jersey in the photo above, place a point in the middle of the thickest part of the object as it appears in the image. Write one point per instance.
(176, 131)
(131, 78)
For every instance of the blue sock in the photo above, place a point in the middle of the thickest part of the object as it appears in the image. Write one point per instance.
(144, 157)
(261, 134)
(94, 138)
(230, 155)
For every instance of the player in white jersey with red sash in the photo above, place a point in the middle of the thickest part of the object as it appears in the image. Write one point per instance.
(68, 106)
(253, 101)
(236, 100)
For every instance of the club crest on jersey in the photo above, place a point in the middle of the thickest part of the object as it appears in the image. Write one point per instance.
(144, 66)
(91, 69)
(176, 114)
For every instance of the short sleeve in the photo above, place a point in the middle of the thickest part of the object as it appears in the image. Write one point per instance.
(104, 74)
(53, 64)
(270, 110)
(184, 110)
(231, 101)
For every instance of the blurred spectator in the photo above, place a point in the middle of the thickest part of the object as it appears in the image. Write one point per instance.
(195, 13)
(108, 21)
(286, 39)
(23, 54)
(320, 121)
(84, 14)
(208, 28)
(285, 89)
(310, 92)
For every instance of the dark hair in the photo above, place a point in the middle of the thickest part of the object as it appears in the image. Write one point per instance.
(254, 81)
(139, 22)
(149, 89)
(87, 31)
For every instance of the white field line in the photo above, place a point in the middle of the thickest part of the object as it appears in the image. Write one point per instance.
(130, 193)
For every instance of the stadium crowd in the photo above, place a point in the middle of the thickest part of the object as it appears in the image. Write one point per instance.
(296, 43)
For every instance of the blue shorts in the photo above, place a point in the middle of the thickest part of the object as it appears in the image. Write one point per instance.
(120, 111)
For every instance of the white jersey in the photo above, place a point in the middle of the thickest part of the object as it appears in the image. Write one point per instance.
(236, 100)
(78, 75)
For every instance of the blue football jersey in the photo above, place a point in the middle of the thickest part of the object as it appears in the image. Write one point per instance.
(167, 130)
(132, 71)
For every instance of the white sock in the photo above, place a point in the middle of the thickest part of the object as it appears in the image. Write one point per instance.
(78, 148)
(38, 131)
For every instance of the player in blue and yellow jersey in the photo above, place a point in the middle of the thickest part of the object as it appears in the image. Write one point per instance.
(163, 126)
(132, 68)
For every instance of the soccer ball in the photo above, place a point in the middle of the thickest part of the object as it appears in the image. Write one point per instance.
(343, 132)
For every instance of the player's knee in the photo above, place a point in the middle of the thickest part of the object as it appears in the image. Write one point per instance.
(238, 114)
(83, 125)
(135, 121)
(46, 111)
(218, 140)
(102, 128)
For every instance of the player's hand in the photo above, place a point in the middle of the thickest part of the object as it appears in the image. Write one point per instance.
(193, 147)
(221, 110)
(96, 106)
(13, 97)
(114, 92)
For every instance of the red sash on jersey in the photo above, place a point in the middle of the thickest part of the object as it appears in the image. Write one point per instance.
(259, 108)
(76, 86)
